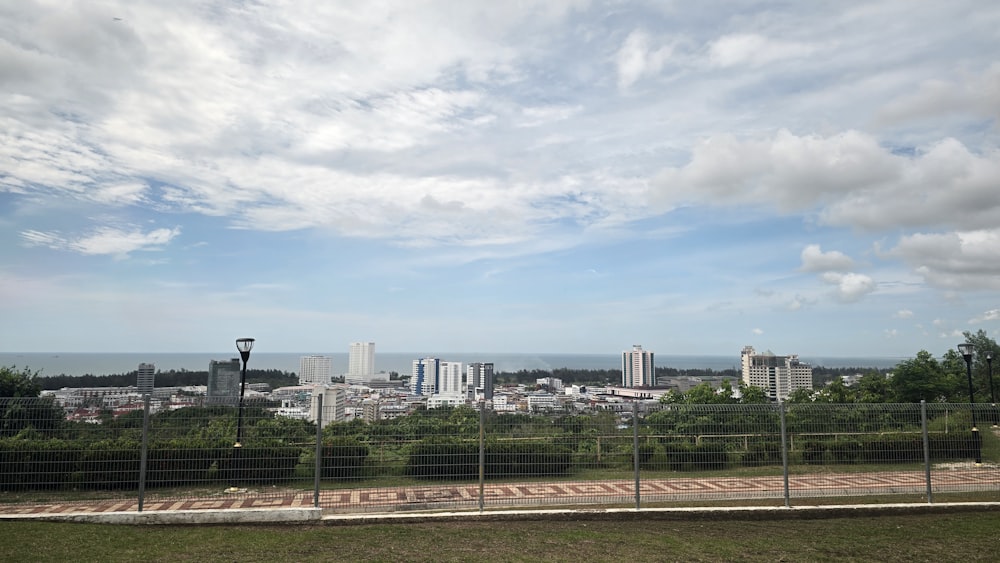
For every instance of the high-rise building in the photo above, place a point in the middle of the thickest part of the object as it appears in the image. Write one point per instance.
(361, 361)
(778, 376)
(480, 378)
(424, 377)
(144, 378)
(637, 368)
(315, 370)
(223, 382)
(449, 379)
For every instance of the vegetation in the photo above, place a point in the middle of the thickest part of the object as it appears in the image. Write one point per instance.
(968, 536)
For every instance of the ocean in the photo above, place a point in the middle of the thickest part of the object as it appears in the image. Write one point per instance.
(57, 363)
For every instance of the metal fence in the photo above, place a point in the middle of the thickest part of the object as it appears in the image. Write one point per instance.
(464, 457)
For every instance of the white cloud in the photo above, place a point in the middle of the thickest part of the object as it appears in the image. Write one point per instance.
(903, 314)
(815, 260)
(637, 59)
(104, 241)
(757, 331)
(958, 260)
(977, 94)
(851, 287)
(991, 315)
(751, 49)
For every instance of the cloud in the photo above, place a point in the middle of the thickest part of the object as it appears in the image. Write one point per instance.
(757, 331)
(848, 177)
(966, 260)
(991, 315)
(751, 49)
(637, 59)
(103, 241)
(850, 287)
(969, 93)
(903, 314)
(815, 260)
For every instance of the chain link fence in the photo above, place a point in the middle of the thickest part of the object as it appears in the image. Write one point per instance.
(462, 457)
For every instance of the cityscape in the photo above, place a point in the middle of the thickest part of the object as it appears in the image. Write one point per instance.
(361, 393)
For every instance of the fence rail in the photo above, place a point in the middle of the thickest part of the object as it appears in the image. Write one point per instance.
(468, 458)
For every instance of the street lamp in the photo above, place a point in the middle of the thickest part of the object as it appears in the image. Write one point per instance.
(244, 345)
(966, 350)
(993, 396)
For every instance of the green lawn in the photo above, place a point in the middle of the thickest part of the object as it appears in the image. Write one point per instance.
(968, 536)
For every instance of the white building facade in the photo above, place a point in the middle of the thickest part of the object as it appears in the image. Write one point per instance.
(637, 368)
(315, 370)
(361, 360)
(778, 376)
(334, 404)
(144, 378)
(424, 377)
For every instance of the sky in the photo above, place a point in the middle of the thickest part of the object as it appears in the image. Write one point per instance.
(810, 178)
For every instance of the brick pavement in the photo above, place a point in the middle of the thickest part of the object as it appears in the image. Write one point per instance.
(513, 495)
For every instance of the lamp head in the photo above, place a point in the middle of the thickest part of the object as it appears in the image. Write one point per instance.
(244, 345)
(966, 350)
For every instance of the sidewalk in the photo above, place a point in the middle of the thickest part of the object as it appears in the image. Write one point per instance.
(385, 502)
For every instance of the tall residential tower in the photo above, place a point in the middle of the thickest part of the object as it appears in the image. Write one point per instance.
(361, 362)
(315, 370)
(637, 368)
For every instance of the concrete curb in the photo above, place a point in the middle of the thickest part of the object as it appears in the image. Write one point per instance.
(239, 516)
(316, 516)
(693, 513)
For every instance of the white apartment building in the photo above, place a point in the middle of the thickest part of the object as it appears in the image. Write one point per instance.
(424, 377)
(450, 379)
(637, 368)
(361, 360)
(315, 370)
(778, 376)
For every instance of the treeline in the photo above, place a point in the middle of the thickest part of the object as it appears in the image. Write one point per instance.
(170, 378)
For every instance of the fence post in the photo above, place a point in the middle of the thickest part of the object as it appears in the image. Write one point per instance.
(927, 447)
(635, 449)
(482, 453)
(318, 470)
(144, 453)
(784, 450)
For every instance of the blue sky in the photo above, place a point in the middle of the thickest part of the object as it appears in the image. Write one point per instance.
(811, 178)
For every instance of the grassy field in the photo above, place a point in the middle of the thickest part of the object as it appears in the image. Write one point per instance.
(969, 536)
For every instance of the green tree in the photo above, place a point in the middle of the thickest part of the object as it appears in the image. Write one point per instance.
(983, 345)
(15, 383)
(921, 378)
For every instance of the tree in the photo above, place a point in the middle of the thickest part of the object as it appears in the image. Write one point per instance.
(921, 378)
(23, 383)
(980, 370)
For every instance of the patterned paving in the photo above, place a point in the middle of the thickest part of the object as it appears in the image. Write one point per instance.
(389, 499)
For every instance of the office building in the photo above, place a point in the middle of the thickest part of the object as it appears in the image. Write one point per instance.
(778, 376)
(223, 382)
(144, 378)
(637, 368)
(480, 378)
(424, 377)
(361, 360)
(315, 370)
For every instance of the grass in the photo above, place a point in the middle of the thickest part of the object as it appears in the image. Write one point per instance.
(968, 536)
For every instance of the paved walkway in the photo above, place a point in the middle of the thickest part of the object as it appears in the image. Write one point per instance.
(512, 495)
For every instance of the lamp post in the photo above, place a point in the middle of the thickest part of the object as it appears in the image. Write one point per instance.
(993, 396)
(966, 350)
(244, 345)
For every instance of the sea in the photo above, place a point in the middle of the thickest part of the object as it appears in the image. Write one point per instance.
(76, 364)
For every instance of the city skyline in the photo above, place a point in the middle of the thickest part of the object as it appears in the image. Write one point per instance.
(535, 177)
